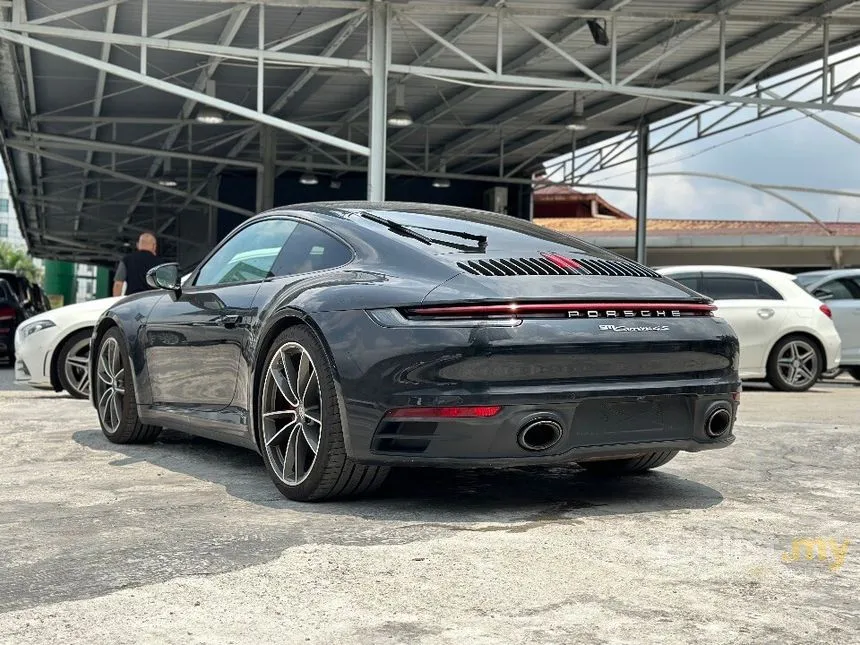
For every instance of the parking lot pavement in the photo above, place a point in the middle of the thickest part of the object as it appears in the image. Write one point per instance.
(187, 541)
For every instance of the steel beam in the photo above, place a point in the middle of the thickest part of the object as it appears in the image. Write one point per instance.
(122, 176)
(74, 143)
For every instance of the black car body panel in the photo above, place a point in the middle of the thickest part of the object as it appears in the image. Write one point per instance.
(620, 357)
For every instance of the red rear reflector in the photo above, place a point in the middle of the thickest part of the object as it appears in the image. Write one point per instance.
(447, 412)
(826, 311)
(562, 262)
(736, 396)
(7, 313)
(513, 309)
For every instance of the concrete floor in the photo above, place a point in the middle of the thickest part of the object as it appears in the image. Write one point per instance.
(187, 541)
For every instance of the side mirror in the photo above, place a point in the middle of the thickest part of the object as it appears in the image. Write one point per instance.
(164, 276)
(823, 294)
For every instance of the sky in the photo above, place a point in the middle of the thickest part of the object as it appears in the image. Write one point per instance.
(791, 150)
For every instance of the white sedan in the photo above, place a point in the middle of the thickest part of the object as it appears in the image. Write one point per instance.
(787, 336)
(52, 348)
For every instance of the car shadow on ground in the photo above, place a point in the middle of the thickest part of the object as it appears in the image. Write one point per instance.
(433, 495)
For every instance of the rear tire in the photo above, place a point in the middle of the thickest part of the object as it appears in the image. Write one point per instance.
(72, 373)
(630, 466)
(115, 398)
(854, 372)
(795, 364)
(301, 433)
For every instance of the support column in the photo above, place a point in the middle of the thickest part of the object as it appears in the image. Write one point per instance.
(378, 101)
(103, 283)
(266, 175)
(60, 283)
(641, 191)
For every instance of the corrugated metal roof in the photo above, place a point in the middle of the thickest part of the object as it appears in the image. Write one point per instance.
(458, 124)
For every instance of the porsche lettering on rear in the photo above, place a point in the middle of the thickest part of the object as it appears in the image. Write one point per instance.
(625, 313)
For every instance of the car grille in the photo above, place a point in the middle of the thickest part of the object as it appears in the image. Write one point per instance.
(506, 267)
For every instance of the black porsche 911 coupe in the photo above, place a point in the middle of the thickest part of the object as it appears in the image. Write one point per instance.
(339, 339)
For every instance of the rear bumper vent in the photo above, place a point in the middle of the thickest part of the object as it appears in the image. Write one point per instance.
(554, 264)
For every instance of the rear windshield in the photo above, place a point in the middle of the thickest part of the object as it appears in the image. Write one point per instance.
(503, 233)
(806, 280)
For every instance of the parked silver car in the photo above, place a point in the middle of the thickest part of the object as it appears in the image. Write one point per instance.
(840, 289)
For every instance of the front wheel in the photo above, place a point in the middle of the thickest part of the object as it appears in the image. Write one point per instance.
(629, 466)
(73, 364)
(301, 434)
(794, 364)
(114, 393)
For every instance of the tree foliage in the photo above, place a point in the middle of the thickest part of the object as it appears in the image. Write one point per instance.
(17, 259)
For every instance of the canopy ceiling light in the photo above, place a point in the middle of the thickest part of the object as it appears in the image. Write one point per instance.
(308, 178)
(400, 118)
(335, 183)
(577, 121)
(207, 114)
(441, 182)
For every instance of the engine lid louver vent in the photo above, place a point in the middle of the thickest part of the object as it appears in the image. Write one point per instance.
(552, 264)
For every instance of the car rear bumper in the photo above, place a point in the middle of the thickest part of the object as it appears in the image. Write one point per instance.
(590, 427)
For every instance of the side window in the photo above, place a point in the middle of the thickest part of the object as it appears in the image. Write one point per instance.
(853, 285)
(839, 289)
(249, 255)
(310, 249)
(689, 281)
(767, 292)
(725, 287)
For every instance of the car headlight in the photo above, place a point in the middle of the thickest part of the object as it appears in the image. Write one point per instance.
(27, 329)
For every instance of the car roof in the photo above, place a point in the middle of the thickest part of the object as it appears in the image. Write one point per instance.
(764, 274)
(831, 273)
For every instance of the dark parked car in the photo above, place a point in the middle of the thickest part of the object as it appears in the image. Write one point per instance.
(338, 339)
(11, 315)
(23, 290)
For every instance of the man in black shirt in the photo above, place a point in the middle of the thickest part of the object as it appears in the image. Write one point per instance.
(131, 271)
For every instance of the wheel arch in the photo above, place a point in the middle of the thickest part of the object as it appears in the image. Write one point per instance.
(54, 367)
(102, 326)
(285, 320)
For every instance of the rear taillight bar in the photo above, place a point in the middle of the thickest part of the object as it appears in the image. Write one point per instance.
(572, 309)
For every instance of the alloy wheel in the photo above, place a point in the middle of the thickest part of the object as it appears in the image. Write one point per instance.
(797, 363)
(77, 367)
(292, 413)
(110, 385)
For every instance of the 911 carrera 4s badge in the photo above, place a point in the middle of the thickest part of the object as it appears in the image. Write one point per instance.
(625, 328)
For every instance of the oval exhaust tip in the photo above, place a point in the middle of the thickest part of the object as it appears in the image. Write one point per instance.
(539, 435)
(718, 423)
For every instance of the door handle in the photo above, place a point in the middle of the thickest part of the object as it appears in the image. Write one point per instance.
(765, 313)
(230, 320)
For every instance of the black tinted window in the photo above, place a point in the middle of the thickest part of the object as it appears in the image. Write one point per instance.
(729, 288)
(838, 288)
(310, 249)
(689, 281)
(767, 292)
